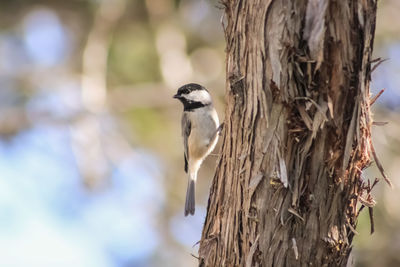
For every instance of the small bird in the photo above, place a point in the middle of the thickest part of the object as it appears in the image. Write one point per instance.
(199, 131)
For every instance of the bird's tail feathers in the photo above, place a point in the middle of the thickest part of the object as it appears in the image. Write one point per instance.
(190, 197)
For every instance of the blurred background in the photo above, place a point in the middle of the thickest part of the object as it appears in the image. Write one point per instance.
(91, 162)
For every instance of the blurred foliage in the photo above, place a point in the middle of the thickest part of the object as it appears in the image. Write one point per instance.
(147, 124)
(133, 57)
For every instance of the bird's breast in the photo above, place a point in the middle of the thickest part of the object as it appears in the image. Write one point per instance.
(202, 137)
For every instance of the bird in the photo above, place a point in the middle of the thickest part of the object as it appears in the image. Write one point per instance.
(200, 127)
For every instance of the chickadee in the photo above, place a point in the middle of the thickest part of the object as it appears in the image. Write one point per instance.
(200, 133)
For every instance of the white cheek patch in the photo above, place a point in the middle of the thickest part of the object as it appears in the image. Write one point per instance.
(200, 96)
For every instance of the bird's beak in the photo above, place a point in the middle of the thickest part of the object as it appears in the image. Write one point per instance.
(177, 96)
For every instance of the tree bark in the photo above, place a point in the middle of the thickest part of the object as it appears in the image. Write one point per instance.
(297, 134)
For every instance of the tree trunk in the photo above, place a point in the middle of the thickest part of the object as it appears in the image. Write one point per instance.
(296, 135)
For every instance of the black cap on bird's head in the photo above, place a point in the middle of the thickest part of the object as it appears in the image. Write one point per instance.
(193, 96)
(187, 89)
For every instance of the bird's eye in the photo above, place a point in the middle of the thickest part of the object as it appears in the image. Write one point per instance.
(184, 91)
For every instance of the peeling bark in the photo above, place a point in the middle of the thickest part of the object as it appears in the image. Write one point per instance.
(296, 135)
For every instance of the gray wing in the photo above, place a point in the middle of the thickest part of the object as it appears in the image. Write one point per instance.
(186, 129)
